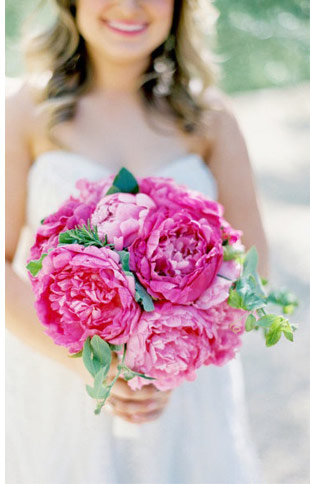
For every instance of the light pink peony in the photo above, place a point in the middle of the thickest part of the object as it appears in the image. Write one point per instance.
(120, 217)
(230, 325)
(91, 192)
(169, 344)
(82, 291)
(72, 213)
(175, 257)
(218, 291)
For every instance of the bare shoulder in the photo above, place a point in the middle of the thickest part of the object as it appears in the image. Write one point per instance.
(230, 164)
(21, 109)
(221, 121)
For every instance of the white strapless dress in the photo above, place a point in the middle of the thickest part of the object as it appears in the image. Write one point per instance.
(53, 436)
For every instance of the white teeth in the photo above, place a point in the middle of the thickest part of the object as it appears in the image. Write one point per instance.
(129, 28)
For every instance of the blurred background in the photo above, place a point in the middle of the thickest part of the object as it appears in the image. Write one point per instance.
(263, 47)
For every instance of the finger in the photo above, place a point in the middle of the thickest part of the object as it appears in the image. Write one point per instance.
(122, 390)
(139, 418)
(137, 407)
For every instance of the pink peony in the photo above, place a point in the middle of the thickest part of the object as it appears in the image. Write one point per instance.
(175, 257)
(166, 193)
(82, 291)
(92, 192)
(218, 291)
(120, 217)
(71, 213)
(169, 344)
(230, 325)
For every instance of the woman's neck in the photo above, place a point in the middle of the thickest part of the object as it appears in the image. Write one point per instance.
(120, 77)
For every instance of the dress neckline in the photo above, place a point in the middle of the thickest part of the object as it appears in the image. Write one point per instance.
(85, 159)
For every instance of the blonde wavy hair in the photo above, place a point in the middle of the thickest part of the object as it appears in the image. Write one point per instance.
(61, 53)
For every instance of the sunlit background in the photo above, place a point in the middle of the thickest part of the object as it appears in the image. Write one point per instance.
(264, 50)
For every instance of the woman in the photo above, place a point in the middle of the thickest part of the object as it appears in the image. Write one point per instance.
(120, 92)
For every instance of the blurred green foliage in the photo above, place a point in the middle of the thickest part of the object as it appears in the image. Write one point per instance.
(261, 43)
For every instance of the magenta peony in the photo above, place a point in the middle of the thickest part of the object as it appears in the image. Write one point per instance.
(169, 344)
(120, 217)
(218, 291)
(166, 193)
(230, 325)
(175, 257)
(70, 214)
(82, 291)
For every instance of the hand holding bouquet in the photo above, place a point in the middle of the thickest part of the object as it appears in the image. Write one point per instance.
(152, 271)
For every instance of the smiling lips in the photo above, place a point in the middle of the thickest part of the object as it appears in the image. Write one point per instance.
(125, 28)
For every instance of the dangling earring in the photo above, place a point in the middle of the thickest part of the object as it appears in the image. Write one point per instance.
(164, 66)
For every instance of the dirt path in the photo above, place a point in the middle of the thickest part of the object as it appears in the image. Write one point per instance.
(276, 125)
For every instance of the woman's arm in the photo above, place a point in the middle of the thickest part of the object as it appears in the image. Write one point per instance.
(21, 318)
(230, 165)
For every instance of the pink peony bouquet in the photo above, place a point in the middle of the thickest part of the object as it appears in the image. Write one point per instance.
(152, 271)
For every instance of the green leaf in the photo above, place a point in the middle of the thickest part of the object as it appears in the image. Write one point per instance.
(124, 260)
(35, 266)
(231, 253)
(250, 262)
(267, 320)
(234, 300)
(144, 298)
(126, 182)
(116, 347)
(273, 336)
(83, 235)
(250, 294)
(129, 374)
(283, 298)
(250, 322)
(101, 352)
(76, 355)
(92, 364)
(99, 392)
(113, 189)
(288, 334)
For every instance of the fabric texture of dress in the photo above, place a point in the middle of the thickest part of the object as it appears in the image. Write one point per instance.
(53, 436)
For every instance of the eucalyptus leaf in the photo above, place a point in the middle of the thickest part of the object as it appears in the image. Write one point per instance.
(101, 352)
(92, 363)
(128, 375)
(252, 297)
(250, 262)
(144, 298)
(124, 259)
(97, 392)
(99, 379)
(35, 266)
(116, 347)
